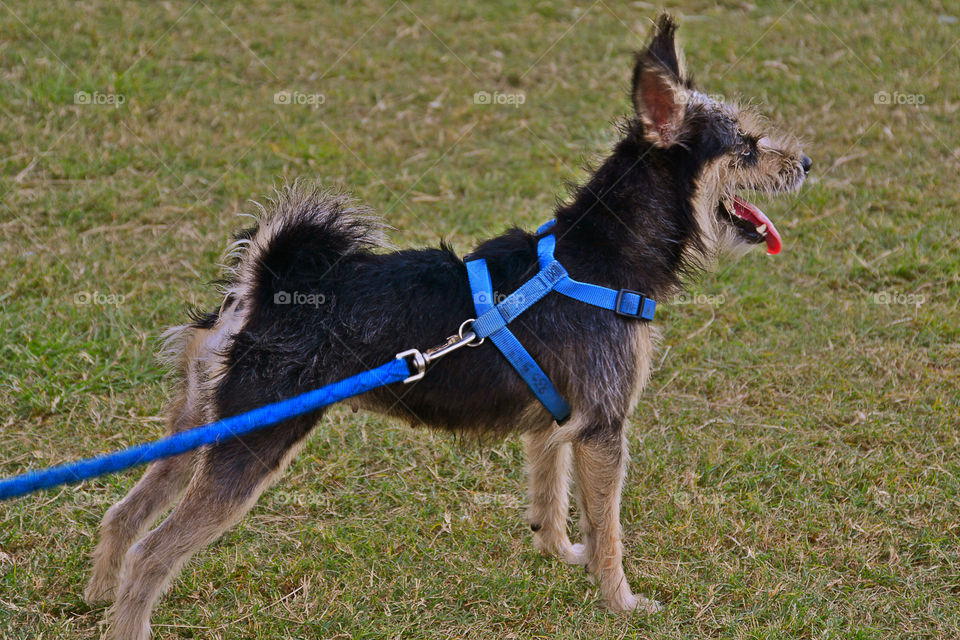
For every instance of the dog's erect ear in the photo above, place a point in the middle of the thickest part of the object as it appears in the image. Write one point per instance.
(662, 50)
(658, 85)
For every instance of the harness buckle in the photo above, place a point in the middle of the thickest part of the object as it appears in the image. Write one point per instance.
(640, 304)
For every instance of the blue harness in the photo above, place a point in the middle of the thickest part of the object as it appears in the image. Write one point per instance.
(492, 319)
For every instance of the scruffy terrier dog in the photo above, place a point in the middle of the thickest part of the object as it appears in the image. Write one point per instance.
(664, 205)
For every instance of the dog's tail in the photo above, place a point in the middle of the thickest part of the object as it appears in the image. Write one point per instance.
(299, 235)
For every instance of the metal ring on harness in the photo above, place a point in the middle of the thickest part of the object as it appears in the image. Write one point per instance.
(460, 332)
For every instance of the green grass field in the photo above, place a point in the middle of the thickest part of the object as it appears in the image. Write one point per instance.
(796, 462)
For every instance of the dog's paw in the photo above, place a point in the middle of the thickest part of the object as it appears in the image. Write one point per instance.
(561, 547)
(624, 604)
(100, 591)
(574, 554)
(126, 623)
(628, 603)
(648, 606)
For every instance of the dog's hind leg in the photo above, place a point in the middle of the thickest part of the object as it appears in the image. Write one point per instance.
(124, 522)
(229, 479)
(600, 461)
(548, 470)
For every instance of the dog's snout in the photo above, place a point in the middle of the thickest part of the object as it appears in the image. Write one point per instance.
(806, 162)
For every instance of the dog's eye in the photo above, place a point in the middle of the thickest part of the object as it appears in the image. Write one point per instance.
(748, 153)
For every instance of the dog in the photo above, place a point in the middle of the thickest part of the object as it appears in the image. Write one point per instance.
(666, 204)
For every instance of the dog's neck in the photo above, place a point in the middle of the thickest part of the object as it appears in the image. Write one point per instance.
(632, 225)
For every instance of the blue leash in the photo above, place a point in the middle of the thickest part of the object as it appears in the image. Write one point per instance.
(395, 371)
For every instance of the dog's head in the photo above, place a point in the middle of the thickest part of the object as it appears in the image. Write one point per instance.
(731, 149)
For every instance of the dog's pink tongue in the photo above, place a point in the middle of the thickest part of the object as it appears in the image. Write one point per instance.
(752, 214)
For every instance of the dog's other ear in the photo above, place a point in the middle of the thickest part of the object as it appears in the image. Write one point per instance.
(658, 86)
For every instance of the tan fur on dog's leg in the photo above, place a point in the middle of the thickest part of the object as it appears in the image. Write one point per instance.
(548, 468)
(126, 521)
(152, 562)
(600, 464)
(229, 479)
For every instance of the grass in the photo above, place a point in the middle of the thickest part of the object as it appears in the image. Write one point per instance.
(795, 466)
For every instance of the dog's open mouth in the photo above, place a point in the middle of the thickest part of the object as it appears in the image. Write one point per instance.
(751, 223)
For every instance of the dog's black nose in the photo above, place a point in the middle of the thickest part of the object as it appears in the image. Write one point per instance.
(807, 163)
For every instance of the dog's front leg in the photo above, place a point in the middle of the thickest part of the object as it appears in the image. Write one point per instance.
(600, 462)
(548, 470)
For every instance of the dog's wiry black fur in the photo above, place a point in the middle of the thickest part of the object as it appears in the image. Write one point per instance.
(650, 215)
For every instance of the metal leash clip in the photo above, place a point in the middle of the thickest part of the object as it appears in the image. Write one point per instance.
(418, 360)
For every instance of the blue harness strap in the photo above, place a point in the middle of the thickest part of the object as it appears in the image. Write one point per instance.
(624, 302)
(492, 319)
(494, 326)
